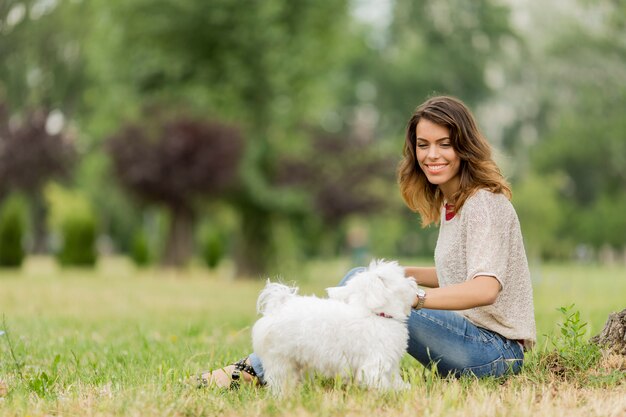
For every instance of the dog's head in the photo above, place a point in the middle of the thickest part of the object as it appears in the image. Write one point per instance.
(381, 288)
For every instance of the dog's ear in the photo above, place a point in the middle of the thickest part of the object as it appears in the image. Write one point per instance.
(376, 293)
(338, 293)
(367, 289)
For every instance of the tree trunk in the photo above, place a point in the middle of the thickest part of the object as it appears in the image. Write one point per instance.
(254, 252)
(39, 212)
(613, 336)
(179, 245)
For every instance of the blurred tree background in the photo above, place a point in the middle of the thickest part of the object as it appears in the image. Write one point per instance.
(267, 132)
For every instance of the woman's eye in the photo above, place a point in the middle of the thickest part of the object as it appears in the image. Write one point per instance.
(422, 146)
(446, 145)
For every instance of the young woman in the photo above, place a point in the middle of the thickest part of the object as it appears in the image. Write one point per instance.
(475, 315)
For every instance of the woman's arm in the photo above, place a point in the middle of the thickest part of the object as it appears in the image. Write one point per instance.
(480, 291)
(424, 276)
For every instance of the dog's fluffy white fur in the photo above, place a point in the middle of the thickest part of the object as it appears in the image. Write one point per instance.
(343, 334)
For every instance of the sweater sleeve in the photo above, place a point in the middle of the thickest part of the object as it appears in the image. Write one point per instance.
(486, 239)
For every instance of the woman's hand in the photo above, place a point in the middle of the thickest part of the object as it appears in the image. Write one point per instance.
(423, 276)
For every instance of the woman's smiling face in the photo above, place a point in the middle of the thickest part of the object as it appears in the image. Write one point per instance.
(436, 156)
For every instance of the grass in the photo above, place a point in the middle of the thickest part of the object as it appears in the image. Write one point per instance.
(118, 342)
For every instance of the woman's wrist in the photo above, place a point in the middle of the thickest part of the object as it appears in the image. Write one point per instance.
(420, 299)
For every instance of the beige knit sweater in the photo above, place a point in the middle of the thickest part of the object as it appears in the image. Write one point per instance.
(484, 238)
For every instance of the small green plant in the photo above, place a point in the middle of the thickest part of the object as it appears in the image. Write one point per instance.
(44, 383)
(572, 329)
(40, 383)
(575, 353)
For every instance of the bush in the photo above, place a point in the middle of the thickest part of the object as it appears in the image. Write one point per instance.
(212, 248)
(11, 233)
(139, 251)
(79, 235)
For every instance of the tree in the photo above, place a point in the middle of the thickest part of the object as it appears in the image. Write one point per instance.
(43, 77)
(277, 68)
(583, 141)
(438, 48)
(173, 161)
(32, 152)
(612, 338)
(42, 55)
(341, 176)
(263, 64)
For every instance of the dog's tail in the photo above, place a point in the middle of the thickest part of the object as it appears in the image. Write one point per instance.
(273, 295)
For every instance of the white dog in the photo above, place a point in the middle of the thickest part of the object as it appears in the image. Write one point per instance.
(359, 331)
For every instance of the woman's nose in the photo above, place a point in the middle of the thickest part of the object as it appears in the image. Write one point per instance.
(433, 152)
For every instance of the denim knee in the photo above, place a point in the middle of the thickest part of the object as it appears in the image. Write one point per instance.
(509, 363)
(456, 346)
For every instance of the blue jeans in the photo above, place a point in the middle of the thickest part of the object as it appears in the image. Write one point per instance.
(448, 342)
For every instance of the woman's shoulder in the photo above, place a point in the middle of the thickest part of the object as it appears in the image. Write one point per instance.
(484, 196)
(484, 200)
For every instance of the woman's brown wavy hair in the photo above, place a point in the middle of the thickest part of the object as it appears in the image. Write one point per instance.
(477, 170)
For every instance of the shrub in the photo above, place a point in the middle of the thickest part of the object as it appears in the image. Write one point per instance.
(79, 235)
(212, 248)
(11, 233)
(139, 251)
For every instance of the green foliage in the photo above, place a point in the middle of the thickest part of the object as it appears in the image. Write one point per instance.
(581, 124)
(40, 47)
(140, 250)
(592, 172)
(39, 382)
(65, 203)
(173, 159)
(43, 383)
(438, 47)
(603, 222)
(213, 248)
(79, 236)
(262, 60)
(72, 218)
(541, 215)
(575, 353)
(257, 66)
(280, 70)
(118, 214)
(572, 329)
(12, 224)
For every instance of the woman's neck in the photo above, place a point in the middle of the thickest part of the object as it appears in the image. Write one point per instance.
(449, 189)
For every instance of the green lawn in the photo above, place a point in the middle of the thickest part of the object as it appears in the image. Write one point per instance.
(117, 341)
